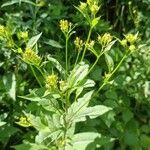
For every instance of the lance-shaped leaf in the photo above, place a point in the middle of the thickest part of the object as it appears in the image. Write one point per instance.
(56, 64)
(78, 107)
(92, 112)
(78, 74)
(110, 62)
(82, 140)
(9, 81)
(33, 40)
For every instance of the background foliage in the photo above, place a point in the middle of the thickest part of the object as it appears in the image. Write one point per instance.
(127, 125)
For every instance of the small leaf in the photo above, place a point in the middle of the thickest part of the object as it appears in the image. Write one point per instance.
(95, 21)
(54, 43)
(110, 62)
(109, 46)
(10, 85)
(33, 40)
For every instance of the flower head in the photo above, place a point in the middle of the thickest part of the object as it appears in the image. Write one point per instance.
(131, 38)
(83, 6)
(90, 44)
(94, 9)
(105, 39)
(65, 26)
(51, 82)
(2, 30)
(78, 43)
(22, 35)
(24, 121)
(29, 56)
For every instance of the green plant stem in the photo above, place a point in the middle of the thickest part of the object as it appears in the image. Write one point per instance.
(66, 54)
(87, 41)
(41, 72)
(36, 76)
(77, 58)
(110, 75)
(97, 59)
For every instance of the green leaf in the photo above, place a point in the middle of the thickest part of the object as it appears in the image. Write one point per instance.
(9, 81)
(78, 74)
(86, 84)
(12, 2)
(95, 21)
(109, 46)
(30, 146)
(47, 101)
(78, 107)
(110, 62)
(33, 40)
(2, 123)
(56, 64)
(53, 43)
(82, 140)
(92, 112)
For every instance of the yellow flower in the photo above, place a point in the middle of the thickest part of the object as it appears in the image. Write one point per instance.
(23, 35)
(51, 82)
(94, 9)
(105, 39)
(78, 43)
(65, 26)
(2, 30)
(29, 56)
(40, 3)
(82, 6)
(132, 48)
(24, 121)
(10, 44)
(131, 38)
(90, 44)
(124, 42)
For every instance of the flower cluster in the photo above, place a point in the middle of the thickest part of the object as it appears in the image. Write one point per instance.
(129, 41)
(51, 82)
(78, 43)
(83, 6)
(29, 56)
(65, 26)
(105, 39)
(91, 4)
(22, 35)
(90, 44)
(24, 121)
(2, 30)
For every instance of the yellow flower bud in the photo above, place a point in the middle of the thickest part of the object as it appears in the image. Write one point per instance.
(82, 6)
(24, 121)
(78, 43)
(51, 82)
(124, 42)
(19, 50)
(22, 35)
(94, 9)
(105, 39)
(2, 30)
(131, 38)
(40, 3)
(132, 48)
(29, 56)
(90, 44)
(65, 26)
